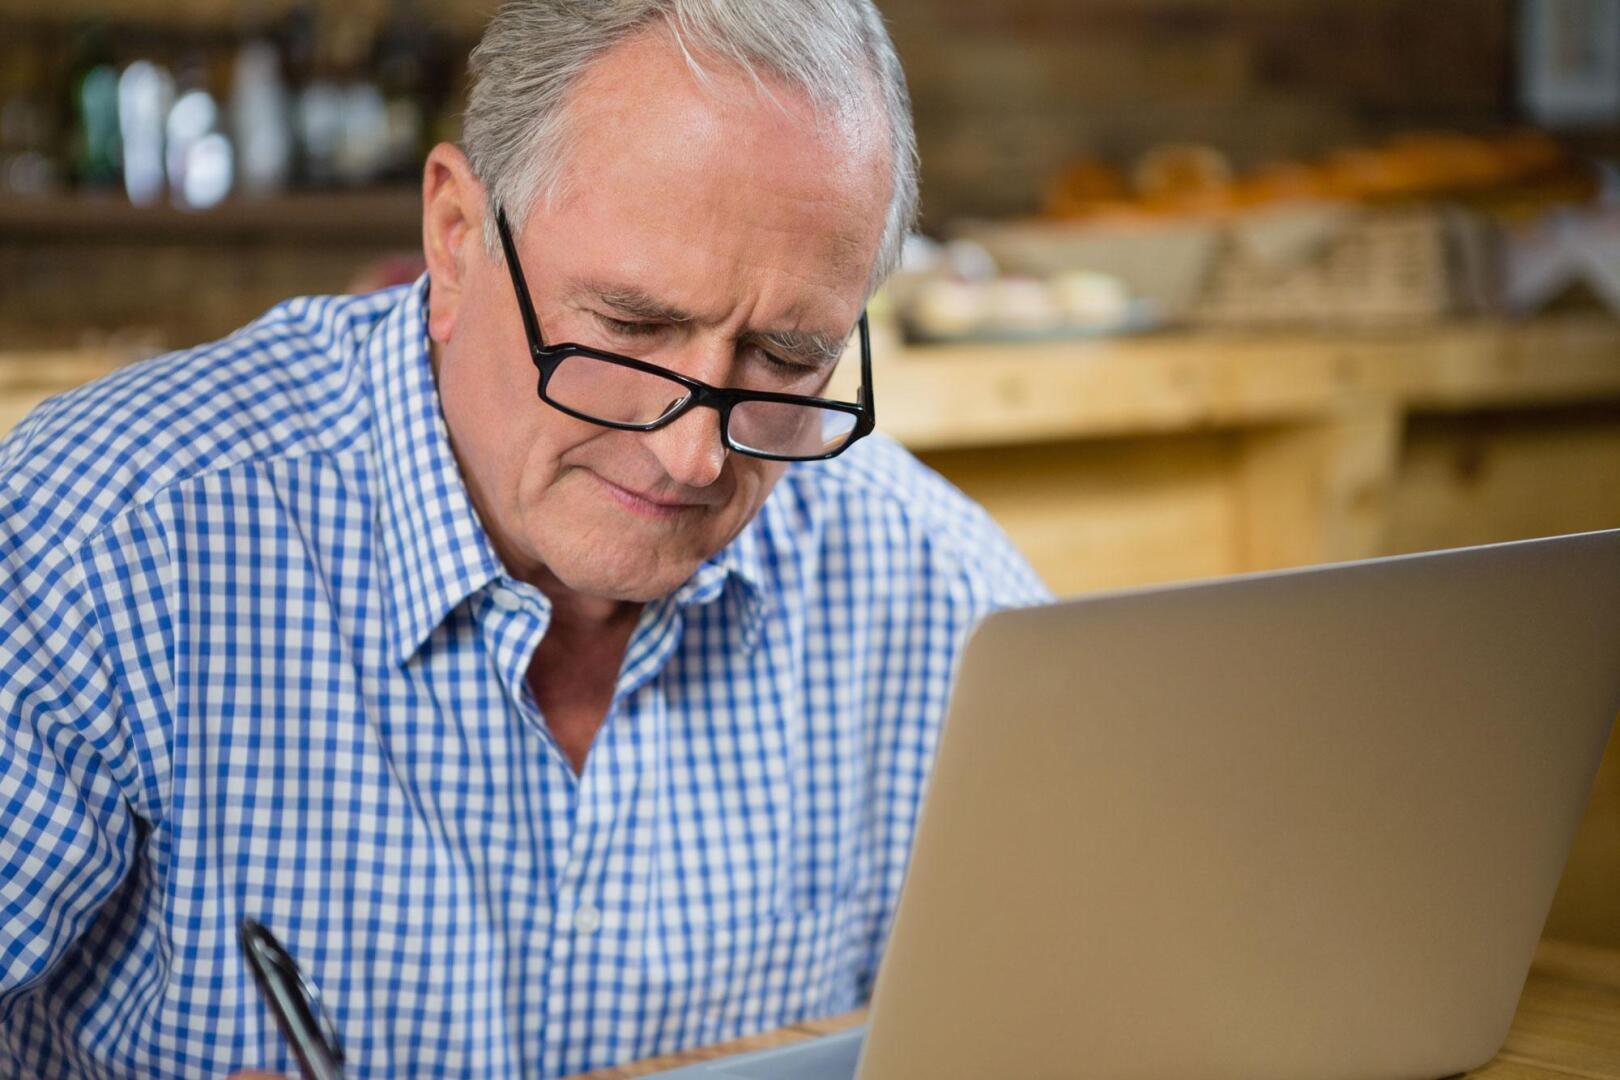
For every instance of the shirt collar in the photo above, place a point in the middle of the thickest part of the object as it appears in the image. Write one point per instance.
(435, 550)
(742, 565)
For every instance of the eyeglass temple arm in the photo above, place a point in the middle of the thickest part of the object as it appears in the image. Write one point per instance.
(525, 307)
(864, 394)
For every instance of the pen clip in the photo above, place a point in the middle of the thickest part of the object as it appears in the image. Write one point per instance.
(297, 1005)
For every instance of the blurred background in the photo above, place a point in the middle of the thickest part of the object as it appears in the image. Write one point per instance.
(1202, 286)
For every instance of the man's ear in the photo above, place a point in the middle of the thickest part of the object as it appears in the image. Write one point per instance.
(452, 233)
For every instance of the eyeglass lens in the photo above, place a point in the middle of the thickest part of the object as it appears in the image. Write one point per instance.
(615, 394)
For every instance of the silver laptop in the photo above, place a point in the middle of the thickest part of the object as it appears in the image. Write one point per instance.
(1301, 824)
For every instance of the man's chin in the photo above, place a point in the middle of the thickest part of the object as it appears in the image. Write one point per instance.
(626, 580)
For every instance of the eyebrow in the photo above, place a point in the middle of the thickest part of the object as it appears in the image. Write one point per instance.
(636, 303)
(798, 346)
(816, 350)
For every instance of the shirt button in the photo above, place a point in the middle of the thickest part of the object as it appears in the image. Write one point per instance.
(507, 600)
(588, 920)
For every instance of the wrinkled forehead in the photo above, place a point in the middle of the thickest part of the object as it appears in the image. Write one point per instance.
(658, 66)
(724, 148)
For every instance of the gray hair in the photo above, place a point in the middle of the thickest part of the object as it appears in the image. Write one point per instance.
(516, 130)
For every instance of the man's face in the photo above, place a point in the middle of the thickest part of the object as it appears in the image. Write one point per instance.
(711, 201)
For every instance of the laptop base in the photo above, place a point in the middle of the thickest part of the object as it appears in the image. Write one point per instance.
(830, 1057)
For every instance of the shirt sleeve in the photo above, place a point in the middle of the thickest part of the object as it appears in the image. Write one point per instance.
(69, 835)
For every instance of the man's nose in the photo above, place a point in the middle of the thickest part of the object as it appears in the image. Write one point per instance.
(690, 450)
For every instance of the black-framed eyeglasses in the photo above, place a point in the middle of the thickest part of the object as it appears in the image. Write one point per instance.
(633, 395)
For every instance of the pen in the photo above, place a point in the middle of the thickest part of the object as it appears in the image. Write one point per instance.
(299, 1013)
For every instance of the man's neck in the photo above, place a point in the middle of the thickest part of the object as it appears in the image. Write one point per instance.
(576, 615)
(574, 671)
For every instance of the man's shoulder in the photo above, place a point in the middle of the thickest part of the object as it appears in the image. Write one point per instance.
(879, 471)
(284, 385)
(882, 495)
(879, 524)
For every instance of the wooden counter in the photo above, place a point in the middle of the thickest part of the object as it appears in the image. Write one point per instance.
(27, 378)
(1567, 1025)
(1173, 456)
(955, 397)
(1170, 457)
(958, 396)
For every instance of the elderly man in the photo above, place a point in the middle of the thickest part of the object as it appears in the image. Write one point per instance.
(547, 730)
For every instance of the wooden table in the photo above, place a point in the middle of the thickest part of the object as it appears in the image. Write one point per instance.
(1568, 1024)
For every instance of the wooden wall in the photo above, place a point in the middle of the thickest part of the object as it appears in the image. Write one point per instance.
(1006, 91)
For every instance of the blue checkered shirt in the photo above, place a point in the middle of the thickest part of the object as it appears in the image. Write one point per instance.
(258, 658)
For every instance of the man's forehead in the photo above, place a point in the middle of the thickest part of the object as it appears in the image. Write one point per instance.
(658, 68)
(643, 101)
(822, 342)
(685, 200)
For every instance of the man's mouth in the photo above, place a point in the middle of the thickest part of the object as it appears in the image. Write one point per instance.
(659, 509)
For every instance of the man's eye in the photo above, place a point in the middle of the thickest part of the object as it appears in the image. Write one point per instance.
(628, 329)
(786, 368)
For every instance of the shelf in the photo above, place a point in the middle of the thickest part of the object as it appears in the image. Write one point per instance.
(945, 397)
(379, 216)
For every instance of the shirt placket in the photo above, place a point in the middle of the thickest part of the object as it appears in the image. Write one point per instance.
(513, 618)
(600, 901)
